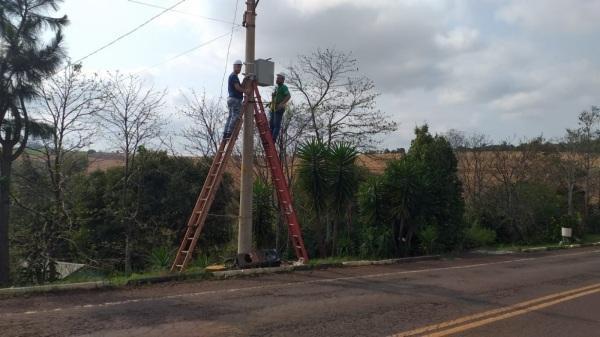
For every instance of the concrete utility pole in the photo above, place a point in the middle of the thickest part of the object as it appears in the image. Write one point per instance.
(247, 179)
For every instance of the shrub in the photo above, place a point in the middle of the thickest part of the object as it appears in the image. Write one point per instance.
(428, 237)
(160, 258)
(478, 236)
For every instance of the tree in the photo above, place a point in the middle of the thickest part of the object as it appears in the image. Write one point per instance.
(131, 119)
(404, 194)
(313, 180)
(207, 117)
(263, 214)
(165, 189)
(338, 102)
(470, 150)
(419, 193)
(511, 168)
(25, 60)
(343, 179)
(67, 103)
(329, 177)
(587, 135)
(569, 167)
(291, 137)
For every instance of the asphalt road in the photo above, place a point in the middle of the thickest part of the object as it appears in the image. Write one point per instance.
(542, 294)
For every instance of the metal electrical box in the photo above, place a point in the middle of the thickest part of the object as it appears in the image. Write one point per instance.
(265, 72)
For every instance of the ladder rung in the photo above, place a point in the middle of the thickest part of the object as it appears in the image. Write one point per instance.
(179, 266)
(184, 251)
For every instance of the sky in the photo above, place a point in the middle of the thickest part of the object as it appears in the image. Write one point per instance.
(509, 69)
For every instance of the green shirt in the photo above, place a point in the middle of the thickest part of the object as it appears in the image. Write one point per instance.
(279, 94)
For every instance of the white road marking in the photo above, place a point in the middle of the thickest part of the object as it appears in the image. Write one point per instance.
(289, 284)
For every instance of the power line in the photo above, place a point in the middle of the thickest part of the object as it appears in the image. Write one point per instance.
(188, 51)
(182, 12)
(129, 32)
(229, 48)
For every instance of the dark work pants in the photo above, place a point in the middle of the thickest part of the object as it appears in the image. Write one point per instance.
(275, 119)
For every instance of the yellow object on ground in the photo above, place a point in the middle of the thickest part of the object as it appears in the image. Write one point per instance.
(216, 267)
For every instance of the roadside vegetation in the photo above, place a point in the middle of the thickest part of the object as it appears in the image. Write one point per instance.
(446, 193)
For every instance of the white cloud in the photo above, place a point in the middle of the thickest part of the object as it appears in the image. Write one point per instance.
(452, 96)
(442, 62)
(458, 39)
(517, 102)
(575, 16)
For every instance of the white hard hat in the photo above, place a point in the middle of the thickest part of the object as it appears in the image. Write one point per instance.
(281, 74)
(236, 62)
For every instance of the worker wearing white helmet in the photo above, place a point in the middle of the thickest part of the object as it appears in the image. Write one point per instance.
(234, 101)
(280, 97)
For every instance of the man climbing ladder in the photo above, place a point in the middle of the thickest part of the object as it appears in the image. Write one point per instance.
(215, 175)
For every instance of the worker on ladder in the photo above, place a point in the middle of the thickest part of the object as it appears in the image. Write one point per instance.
(280, 97)
(234, 101)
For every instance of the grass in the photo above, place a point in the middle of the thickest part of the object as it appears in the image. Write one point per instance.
(120, 279)
(591, 238)
(196, 270)
(588, 238)
(331, 260)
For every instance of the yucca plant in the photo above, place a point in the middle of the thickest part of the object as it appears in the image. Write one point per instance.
(342, 179)
(160, 258)
(313, 180)
(329, 176)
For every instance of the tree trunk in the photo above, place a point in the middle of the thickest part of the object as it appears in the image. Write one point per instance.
(570, 199)
(127, 255)
(124, 215)
(5, 171)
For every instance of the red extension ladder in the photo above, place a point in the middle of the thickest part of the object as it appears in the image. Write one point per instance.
(213, 180)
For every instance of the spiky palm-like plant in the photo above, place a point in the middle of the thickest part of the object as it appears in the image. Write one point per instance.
(329, 175)
(314, 181)
(343, 182)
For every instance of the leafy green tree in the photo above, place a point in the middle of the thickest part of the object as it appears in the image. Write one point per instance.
(405, 201)
(419, 197)
(165, 189)
(263, 215)
(537, 206)
(130, 120)
(39, 237)
(25, 60)
(442, 187)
